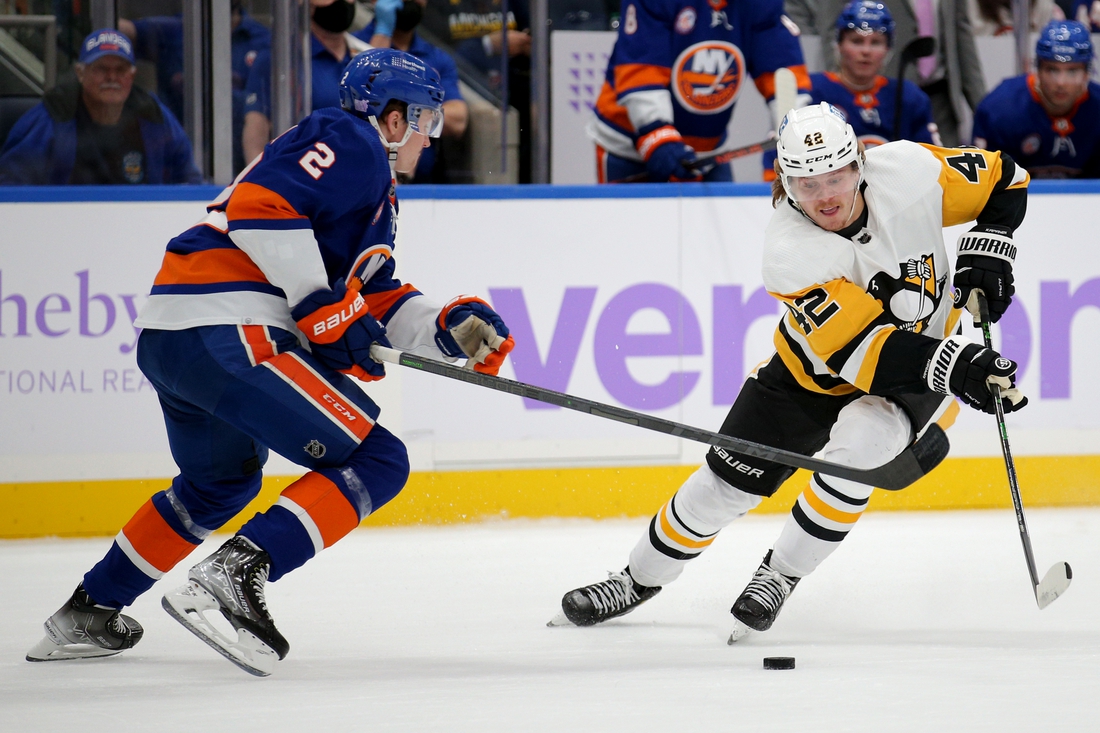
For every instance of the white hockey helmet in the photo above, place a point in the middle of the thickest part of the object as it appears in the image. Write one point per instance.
(815, 140)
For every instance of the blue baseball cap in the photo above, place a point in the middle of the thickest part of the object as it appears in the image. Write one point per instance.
(106, 42)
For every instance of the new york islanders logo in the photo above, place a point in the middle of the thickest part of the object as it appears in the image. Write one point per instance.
(707, 77)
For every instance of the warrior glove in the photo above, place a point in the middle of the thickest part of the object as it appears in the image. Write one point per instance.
(666, 156)
(341, 331)
(986, 254)
(468, 326)
(969, 372)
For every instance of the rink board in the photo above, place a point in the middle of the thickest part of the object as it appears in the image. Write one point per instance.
(648, 297)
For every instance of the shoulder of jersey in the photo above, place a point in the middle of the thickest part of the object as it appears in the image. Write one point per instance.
(798, 254)
(901, 169)
(354, 142)
(1009, 91)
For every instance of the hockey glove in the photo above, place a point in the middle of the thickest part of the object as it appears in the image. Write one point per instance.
(468, 326)
(666, 156)
(385, 16)
(341, 331)
(969, 370)
(986, 254)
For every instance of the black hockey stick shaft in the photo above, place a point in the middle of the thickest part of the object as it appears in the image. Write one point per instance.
(913, 463)
(720, 157)
(1006, 450)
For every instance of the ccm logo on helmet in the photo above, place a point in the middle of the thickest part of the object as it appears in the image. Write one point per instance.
(707, 77)
(819, 158)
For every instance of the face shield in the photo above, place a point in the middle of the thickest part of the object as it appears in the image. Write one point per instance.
(840, 183)
(426, 120)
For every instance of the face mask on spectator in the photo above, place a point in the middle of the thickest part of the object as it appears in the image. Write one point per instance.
(335, 18)
(409, 16)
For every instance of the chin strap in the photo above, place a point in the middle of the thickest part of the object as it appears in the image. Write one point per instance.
(392, 148)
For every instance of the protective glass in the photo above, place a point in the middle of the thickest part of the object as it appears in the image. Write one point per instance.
(822, 186)
(426, 120)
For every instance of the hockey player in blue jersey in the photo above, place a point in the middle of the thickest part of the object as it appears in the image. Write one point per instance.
(257, 317)
(674, 76)
(868, 99)
(1048, 120)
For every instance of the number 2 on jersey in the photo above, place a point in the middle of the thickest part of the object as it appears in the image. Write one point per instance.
(314, 161)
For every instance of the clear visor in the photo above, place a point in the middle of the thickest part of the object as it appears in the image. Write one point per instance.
(426, 120)
(823, 186)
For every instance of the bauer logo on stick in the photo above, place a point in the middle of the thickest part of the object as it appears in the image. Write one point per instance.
(707, 77)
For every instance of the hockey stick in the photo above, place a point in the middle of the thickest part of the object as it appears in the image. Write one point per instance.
(1057, 579)
(918, 48)
(786, 94)
(914, 462)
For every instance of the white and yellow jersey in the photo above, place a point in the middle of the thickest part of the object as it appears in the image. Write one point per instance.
(864, 312)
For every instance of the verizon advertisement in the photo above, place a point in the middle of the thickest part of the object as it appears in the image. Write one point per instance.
(653, 304)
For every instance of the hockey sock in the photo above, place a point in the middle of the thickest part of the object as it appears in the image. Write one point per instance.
(151, 544)
(686, 525)
(820, 519)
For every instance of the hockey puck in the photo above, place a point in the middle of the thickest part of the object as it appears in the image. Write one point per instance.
(778, 662)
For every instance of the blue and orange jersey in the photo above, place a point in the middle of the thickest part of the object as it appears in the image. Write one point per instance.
(685, 62)
(1011, 118)
(870, 112)
(319, 205)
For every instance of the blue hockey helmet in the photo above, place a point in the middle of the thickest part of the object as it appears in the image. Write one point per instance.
(1064, 41)
(378, 76)
(865, 16)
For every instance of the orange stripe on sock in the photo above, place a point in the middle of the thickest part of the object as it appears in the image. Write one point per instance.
(329, 509)
(675, 536)
(827, 511)
(155, 540)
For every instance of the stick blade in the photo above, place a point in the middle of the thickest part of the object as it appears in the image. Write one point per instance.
(1053, 584)
(786, 93)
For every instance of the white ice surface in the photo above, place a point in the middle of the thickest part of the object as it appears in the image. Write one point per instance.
(920, 622)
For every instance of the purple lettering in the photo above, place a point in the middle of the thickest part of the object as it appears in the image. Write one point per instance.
(19, 382)
(132, 311)
(1057, 309)
(128, 381)
(110, 379)
(85, 305)
(732, 318)
(20, 304)
(68, 381)
(48, 381)
(565, 344)
(84, 387)
(613, 345)
(1016, 336)
(44, 310)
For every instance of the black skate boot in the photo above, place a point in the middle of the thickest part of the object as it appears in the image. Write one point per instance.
(81, 629)
(232, 581)
(596, 603)
(758, 605)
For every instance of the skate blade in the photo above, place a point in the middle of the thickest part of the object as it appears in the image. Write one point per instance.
(740, 631)
(188, 605)
(1053, 584)
(559, 620)
(48, 650)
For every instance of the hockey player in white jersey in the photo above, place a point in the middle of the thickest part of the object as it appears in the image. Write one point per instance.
(867, 354)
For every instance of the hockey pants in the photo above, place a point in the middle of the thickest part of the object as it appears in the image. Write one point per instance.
(228, 394)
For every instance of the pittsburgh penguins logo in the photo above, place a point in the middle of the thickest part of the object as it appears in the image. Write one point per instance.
(913, 297)
(707, 77)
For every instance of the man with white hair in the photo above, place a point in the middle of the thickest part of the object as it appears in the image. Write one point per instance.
(867, 353)
(100, 130)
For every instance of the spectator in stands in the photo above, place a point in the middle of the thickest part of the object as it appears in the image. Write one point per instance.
(994, 17)
(1049, 120)
(100, 129)
(160, 39)
(331, 49)
(952, 78)
(394, 26)
(477, 32)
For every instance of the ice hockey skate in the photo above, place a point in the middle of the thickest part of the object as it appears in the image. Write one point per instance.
(81, 629)
(231, 581)
(596, 603)
(758, 605)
